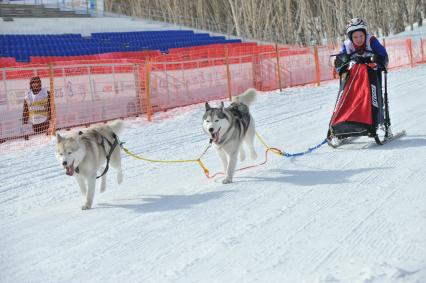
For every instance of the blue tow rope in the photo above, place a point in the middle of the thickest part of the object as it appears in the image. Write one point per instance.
(286, 154)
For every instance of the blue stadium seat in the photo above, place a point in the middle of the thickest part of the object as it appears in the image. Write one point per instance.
(23, 46)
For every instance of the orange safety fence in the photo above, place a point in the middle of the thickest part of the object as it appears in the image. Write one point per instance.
(83, 94)
(107, 86)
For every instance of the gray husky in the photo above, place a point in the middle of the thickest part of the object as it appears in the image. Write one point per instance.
(84, 155)
(229, 127)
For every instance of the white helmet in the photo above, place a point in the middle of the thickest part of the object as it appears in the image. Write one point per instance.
(355, 24)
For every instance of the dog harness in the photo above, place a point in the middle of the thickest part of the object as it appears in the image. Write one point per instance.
(108, 156)
(241, 112)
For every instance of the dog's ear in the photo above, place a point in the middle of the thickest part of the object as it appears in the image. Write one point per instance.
(208, 106)
(222, 105)
(78, 136)
(58, 137)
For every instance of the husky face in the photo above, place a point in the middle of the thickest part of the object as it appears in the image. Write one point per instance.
(215, 122)
(68, 152)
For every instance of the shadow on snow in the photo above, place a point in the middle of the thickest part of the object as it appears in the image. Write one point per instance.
(156, 203)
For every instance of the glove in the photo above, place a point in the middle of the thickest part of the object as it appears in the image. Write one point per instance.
(361, 60)
(341, 59)
(341, 63)
(377, 59)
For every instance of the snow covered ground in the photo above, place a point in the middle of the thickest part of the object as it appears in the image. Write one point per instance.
(416, 33)
(335, 215)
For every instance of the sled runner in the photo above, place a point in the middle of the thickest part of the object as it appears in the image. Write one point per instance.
(361, 108)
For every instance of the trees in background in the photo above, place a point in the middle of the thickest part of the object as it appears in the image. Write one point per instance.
(284, 21)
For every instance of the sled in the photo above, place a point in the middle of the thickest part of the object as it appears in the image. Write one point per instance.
(361, 108)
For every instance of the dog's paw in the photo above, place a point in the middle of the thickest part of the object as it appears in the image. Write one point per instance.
(86, 206)
(253, 155)
(227, 180)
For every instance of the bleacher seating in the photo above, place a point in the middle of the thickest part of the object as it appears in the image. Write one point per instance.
(22, 47)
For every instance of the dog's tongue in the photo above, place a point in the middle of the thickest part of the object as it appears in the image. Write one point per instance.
(70, 169)
(216, 137)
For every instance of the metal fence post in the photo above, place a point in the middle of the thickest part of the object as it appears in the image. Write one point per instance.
(148, 90)
(410, 51)
(228, 73)
(278, 66)
(52, 127)
(317, 66)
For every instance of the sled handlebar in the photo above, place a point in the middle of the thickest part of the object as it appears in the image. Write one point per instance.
(343, 60)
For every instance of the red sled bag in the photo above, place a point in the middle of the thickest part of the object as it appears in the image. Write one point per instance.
(359, 106)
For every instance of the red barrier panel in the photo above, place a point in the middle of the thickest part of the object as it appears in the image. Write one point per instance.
(130, 54)
(210, 47)
(96, 57)
(7, 61)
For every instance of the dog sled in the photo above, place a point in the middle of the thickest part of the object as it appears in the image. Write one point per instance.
(362, 108)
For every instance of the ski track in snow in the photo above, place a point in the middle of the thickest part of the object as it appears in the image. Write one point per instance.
(335, 215)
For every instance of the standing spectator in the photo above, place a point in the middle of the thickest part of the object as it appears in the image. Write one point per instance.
(37, 107)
